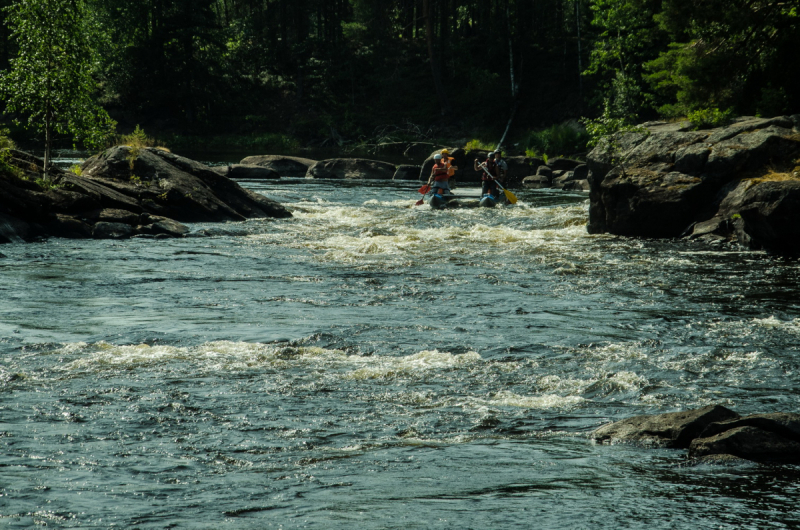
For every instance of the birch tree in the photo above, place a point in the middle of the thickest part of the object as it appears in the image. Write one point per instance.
(50, 80)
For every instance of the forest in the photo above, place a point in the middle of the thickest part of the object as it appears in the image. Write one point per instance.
(333, 72)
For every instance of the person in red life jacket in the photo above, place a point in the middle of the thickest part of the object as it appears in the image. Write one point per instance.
(438, 180)
(488, 181)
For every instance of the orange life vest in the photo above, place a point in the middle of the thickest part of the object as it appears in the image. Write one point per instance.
(439, 171)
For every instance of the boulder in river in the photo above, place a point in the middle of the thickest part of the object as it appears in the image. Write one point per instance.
(121, 193)
(351, 168)
(667, 181)
(536, 182)
(162, 183)
(285, 166)
(406, 172)
(247, 171)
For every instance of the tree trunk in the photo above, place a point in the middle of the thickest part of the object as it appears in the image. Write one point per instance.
(580, 66)
(437, 75)
(48, 141)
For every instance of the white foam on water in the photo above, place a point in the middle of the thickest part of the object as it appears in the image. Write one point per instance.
(233, 356)
(380, 367)
(541, 401)
(618, 351)
(772, 322)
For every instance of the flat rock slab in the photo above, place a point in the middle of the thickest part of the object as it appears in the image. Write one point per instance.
(675, 429)
(247, 171)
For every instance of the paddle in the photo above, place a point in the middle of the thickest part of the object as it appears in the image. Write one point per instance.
(423, 190)
(510, 196)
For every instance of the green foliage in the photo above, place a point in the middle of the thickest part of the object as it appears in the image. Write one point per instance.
(5, 155)
(5, 141)
(478, 145)
(773, 101)
(48, 184)
(136, 141)
(607, 126)
(732, 54)
(564, 139)
(50, 80)
(710, 118)
(76, 170)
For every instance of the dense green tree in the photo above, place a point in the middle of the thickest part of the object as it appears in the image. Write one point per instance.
(731, 53)
(50, 79)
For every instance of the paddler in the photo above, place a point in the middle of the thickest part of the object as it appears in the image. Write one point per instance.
(448, 163)
(438, 181)
(488, 181)
(502, 166)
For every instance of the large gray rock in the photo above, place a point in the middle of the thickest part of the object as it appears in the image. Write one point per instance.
(121, 193)
(285, 166)
(669, 181)
(351, 168)
(106, 230)
(165, 184)
(406, 172)
(563, 164)
(536, 182)
(675, 429)
(576, 185)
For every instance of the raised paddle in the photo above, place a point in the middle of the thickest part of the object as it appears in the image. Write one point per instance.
(510, 196)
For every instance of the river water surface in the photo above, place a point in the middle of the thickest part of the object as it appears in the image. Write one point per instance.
(369, 364)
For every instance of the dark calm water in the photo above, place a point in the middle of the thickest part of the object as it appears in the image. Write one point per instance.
(368, 364)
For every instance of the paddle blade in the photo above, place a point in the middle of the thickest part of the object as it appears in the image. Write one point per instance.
(510, 196)
(424, 189)
(419, 202)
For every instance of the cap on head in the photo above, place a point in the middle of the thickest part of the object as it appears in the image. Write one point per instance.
(445, 152)
(437, 157)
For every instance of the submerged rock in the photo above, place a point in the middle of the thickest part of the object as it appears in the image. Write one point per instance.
(675, 429)
(668, 181)
(713, 434)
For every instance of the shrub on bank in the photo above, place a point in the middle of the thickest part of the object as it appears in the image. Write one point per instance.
(563, 139)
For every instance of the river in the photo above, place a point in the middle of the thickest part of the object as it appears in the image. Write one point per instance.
(370, 364)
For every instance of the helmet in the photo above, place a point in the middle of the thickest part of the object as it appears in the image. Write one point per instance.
(437, 157)
(445, 152)
(491, 153)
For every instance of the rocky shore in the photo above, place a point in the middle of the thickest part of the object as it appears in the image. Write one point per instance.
(118, 194)
(739, 183)
(713, 434)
